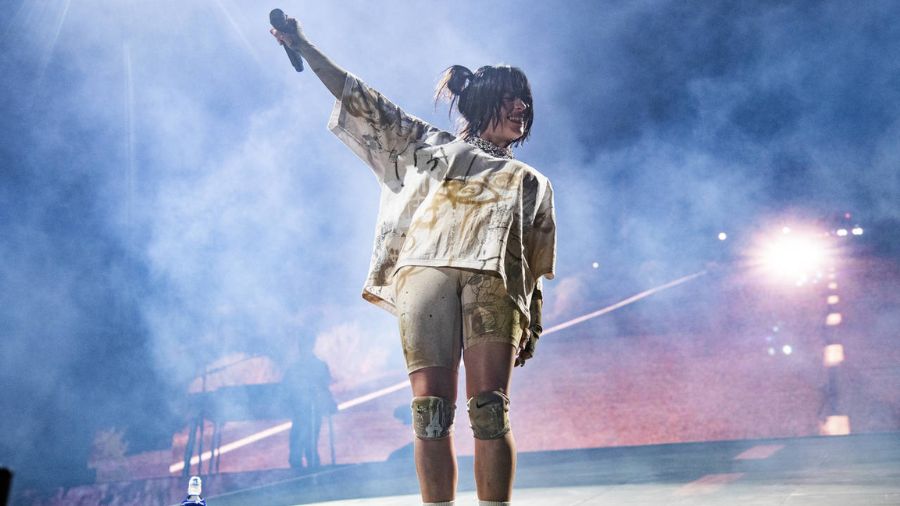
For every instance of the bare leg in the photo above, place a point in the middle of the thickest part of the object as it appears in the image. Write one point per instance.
(489, 367)
(435, 460)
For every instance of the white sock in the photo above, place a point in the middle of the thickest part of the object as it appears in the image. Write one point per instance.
(445, 503)
(493, 503)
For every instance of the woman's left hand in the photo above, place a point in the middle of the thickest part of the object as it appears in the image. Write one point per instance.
(527, 346)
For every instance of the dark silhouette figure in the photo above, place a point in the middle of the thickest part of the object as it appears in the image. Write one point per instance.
(306, 382)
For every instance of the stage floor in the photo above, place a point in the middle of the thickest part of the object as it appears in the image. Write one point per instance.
(861, 470)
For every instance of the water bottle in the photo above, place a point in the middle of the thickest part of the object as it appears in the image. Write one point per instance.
(195, 486)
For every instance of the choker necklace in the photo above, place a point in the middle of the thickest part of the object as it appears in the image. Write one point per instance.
(489, 147)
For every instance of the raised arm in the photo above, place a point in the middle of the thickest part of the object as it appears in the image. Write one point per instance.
(373, 127)
(331, 75)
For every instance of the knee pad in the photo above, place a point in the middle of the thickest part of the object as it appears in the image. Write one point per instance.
(432, 417)
(489, 414)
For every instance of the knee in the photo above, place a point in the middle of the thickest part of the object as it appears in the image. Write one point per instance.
(489, 414)
(432, 417)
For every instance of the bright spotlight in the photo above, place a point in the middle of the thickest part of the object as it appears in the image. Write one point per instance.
(857, 231)
(786, 349)
(595, 265)
(842, 232)
(723, 236)
(794, 258)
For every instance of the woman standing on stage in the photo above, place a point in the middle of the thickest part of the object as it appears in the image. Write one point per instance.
(464, 234)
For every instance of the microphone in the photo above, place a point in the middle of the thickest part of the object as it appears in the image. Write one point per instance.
(279, 21)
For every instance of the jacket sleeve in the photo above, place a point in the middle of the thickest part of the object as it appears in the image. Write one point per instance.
(541, 238)
(378, 131)
(541, 251)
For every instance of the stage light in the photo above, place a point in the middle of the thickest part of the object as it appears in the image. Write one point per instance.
(838, 425)
(771, 351)
(833, 319)
(832, 286)
(834, 355)
(595, 265)
(785, 230)
(857, 231)
(793, 257)
(833, 299)
(841, 232)
(723, 236)
(787, 349)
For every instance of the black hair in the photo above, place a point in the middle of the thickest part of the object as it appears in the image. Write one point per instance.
(479, 96)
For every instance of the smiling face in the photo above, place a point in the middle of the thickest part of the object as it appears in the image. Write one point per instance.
(510, 125)
(495, 103)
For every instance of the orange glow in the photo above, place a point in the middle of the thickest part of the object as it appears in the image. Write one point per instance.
(283, 427)
(833, 319)
(834, 355)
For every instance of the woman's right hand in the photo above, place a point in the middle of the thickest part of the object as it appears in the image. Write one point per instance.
(331, 75)
(288, 39)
